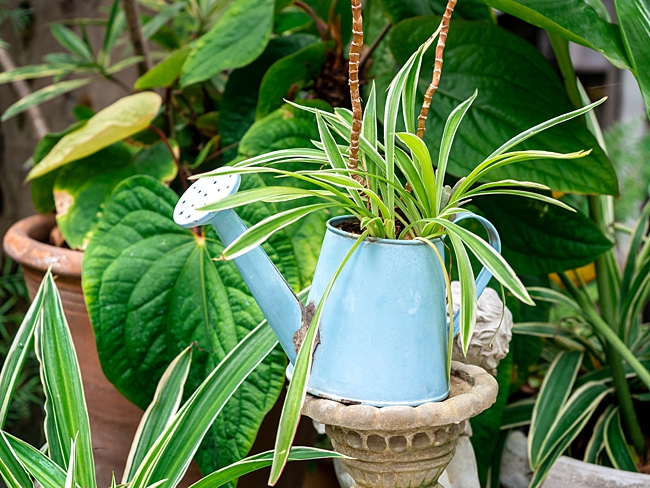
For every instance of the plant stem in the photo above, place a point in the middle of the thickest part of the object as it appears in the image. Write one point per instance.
(607, 279)
(320, 25)
(366, 55)
(21, 87)
(132, 14)
(437, 67)
(355, 95)
(182, 172)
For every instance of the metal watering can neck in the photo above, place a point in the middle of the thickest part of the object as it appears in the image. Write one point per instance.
(280, 306)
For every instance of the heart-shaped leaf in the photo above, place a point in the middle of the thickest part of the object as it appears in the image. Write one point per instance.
(517, 89)
(240, 96)
(237, 38)
(539, 238)
(397, 10)
(81, 188)
(584, 22)
(152, 288)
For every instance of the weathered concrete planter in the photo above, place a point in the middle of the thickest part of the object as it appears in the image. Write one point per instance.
(569, 472)
(404, 447)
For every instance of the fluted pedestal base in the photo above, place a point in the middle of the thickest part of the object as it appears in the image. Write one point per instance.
(404, 447)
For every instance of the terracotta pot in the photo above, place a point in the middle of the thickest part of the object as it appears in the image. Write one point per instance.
(113, 419)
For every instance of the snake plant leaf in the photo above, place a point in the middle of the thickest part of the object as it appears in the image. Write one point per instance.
(262, 460)
(584, 22)
(292, 72)
(552, 397)
(539, 238)
(81, 188)
(122, 119)
(160, 413)
(152, 288)
(61, 379)
(540, 474)
(507, 105)
(237, 38)
(597, 440)
(634, 21)
(615, 443)
(583, 402)
(174, 449)
(637, 237)
(166, 72)
(241, 95)
(13, 362)
(43, 95)
(46, 472)
(11, 470)
(518, 414)
(71, 478)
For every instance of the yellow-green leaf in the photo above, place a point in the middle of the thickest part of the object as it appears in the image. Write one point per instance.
(126, 117)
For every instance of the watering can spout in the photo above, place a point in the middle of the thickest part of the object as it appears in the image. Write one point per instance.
(281, 307)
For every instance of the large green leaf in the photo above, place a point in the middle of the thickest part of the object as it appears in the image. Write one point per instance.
(584, 22)
(240, 96)
(237, 38)
(81, 188)
(634, 20)
(289, 73)
(517, 89)
(152, 288)
(124, 118)
(42, 187)
(164, 73)
(397, 10)
(486, 426)
(539, 238)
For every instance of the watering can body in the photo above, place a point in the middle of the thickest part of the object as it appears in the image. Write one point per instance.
(383, 334)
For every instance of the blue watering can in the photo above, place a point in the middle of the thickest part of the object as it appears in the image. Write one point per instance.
(383, 333)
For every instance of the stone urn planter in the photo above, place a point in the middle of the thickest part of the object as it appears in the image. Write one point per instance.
(404, 447)
(113, 419)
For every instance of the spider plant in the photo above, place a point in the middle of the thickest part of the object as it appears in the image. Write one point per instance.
(396, 193)
(394, 187)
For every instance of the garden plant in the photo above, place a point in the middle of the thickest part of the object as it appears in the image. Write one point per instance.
(170, 431)
(224, 83)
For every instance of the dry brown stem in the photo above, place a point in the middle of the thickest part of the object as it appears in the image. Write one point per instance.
(355, 96)
(22, 89)
(132, 14)
(437, 67)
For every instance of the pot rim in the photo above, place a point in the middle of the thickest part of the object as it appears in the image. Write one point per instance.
(331, 227)
(21, 245)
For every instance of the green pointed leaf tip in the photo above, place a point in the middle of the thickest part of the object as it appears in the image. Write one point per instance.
(503, 68)
(122, 119)
(239, 37)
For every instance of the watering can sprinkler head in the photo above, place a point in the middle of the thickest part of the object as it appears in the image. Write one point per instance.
(203, 192)
(281, 307)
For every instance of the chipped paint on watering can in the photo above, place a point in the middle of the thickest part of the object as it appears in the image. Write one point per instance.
(383, 332)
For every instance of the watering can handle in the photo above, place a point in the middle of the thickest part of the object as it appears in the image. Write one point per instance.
(484, 276)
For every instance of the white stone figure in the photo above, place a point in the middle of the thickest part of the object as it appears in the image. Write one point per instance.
(488, 321)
